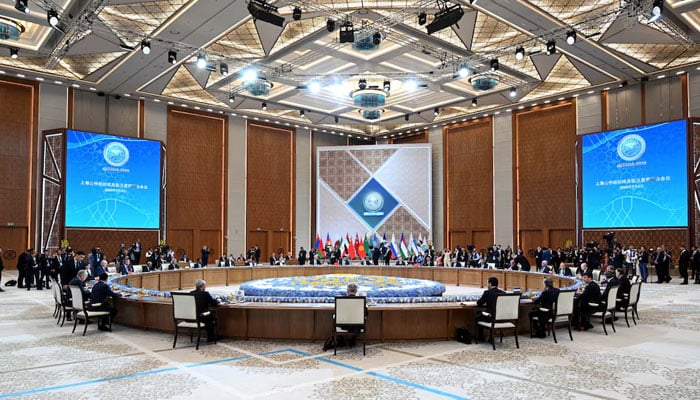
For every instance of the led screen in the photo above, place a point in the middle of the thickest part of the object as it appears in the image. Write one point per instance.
(636, 177)
(112, 181)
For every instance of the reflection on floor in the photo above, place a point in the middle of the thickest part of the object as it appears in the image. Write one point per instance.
(657, 359)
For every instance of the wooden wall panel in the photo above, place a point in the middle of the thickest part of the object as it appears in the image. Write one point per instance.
(468, 152)
(544, 180)
(421, 137)
(183, 239)
(270, 187)
(109, 240)
(18, 127)
(196, 179)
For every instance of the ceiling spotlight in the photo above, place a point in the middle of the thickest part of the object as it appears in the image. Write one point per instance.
(264, 11)
(494, 64)
(463, 71)
(406, 117)
(519, 53)
(335, 118)
(223, 69)
(21, 6)
(623, 84)
(551, 47)
(201, 61)
(172, 57)
(446, 17)
(362, 84)
(422, 18)
(513, 92)
(411, 85)
(347, 32)
(315, 86)
(474, 102)
(231, 98)
(571, 37)
(264, 106)
(376, 38)
(250, 74)
(296, 13)
(330, 25)
(386, 86)
(436, 111)
(146, 47)
(52, 18)
(302, 113)
(657, 10)
(14, 52)
(472, 2)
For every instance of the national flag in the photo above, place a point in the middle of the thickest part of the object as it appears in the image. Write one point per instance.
(376, 240)
(319, 246)
(351, 247)
(402, 247)
(393, 246)
(367, 243)
(343, 246)
(328, 240)
(412, 245)
(360, 246)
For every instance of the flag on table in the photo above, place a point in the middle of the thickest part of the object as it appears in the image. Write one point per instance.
(319, 245)
(402, 247)
(360, 246)
(328, 240)
(351, 247)
(343, 246)
(393, 246)
(412, 245)
(376, 240)
(368, 244)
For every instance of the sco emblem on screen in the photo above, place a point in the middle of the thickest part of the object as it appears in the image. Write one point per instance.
(116, 154)
(631, 147)
(373, 203)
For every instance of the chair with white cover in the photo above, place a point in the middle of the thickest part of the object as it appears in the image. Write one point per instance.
(563, 311)
(80, 310)
(350, 319)
(505, 317)
(629, 304)
(185, 315)
(596, 275)
(55, 288)
(61, 303)
(608, 310)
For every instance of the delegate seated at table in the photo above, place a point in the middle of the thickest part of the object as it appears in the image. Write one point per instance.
(203, 301)
(99, 301)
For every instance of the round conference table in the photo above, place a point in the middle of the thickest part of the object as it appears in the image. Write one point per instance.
(313, 321)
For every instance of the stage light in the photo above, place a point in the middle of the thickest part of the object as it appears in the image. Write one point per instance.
(201, 61)
(296, 13)
(330, 25)
(263, 11)
(377, 38)
(571, 37)
(264, 106)
(302, 113)
(335, 118)
(422, 18)
(387, 86)
(513, 92)
(172, 57)
(657, 11)
(231, 98)
(223, 69)
(406, 117)
(21, 6)
(249, 75)
(14, 52)
(436, 111)
(347, 33)
(315, 86)
(551, 47)
(444, 18)
(474, 102)
(411, 85)
(519, 53)
(623, 84)
(52, 18)
(362, 84)
(146, 47)
(494, 65)
(463, 71)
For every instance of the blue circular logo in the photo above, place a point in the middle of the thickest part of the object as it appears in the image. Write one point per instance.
(631, 147)
(373, 201)
(116, 154)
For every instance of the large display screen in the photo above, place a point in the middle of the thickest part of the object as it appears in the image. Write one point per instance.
(636, 177)
(112, 181)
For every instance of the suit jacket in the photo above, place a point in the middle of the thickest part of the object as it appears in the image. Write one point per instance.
(69, 271)
(101, 292)
(488, 299)
(684, 259)
(566, 271)
(203, 301)
(591, 294)
(547, 298)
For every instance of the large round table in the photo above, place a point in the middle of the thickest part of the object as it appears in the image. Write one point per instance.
(313, 321)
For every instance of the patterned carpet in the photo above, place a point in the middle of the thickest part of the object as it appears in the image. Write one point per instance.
(657, 359)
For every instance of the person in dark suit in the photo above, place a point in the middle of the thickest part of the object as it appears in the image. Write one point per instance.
(101, 268)
(136, 251)
(203, 302)
(387, 255)
(620, 280)
(563, 270)
(591, 295)
(126, 268)
(521, 260)
(546, 269)
(205, 255)
(487, 299)
(376, 254)
(1, 268)
(273, 259)
(198, 264)
(400, 261)
(302, 256)
(684, 264)
(546, 301)
(99, 301)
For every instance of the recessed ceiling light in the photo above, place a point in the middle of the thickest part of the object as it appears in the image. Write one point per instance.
(496, 113)
(590, 92)
(660, 76)
(75, 85)
(2, 72)
(547, 101)
(40, 79)
(93, 89)
(171, 103)
(575, 95)
(607, 88)
(58, 82)
(127, 95)
(184, 105)
(209, 109)
(196, 107)
(521, 107)
(156, 100)
(680, 72)
(20, 75)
